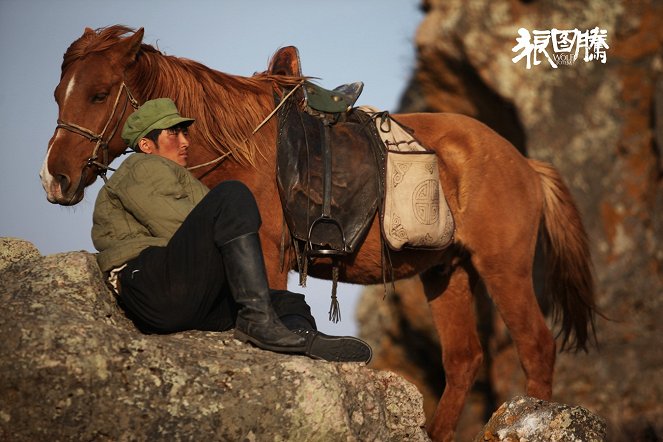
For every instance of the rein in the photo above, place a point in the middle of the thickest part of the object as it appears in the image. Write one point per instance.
(264, 121)
(100, 139)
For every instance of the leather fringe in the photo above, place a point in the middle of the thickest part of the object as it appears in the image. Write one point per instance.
(335, 307)
(386, 263)
(302, 263)
(284, 226)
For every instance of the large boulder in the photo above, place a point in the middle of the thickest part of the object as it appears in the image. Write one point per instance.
(73, 367)
(601, 125)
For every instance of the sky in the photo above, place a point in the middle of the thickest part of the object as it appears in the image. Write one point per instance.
(339, 42)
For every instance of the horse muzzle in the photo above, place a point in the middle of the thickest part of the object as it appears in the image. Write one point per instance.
(59, 190)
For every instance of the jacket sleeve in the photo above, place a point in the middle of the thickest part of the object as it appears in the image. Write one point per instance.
(158, 197)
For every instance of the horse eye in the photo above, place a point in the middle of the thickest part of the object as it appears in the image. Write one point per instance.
(99, 98)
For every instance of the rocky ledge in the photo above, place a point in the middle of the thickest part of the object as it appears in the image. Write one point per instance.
(74, 367)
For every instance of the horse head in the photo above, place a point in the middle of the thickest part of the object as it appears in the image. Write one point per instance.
(93, 104)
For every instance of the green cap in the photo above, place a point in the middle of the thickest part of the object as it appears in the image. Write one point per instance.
(160, 113)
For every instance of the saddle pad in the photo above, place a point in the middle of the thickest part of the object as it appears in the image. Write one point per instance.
(301, 173)
(415, 212)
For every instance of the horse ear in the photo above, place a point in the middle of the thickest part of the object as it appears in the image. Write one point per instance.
(88, 31)
(132, 44)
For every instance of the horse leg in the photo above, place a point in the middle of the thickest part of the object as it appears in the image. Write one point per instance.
(508, 279)
(455, 321)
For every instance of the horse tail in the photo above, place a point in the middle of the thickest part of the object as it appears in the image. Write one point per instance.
(569, 275)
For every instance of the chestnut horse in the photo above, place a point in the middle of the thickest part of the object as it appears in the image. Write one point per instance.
(499, 199)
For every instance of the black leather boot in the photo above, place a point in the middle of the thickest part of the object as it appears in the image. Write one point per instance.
(256, 321)
(327, 347)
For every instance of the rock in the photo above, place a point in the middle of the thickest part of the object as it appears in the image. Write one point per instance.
(14, 250)
(73, 367)
(601, 125)
(525, 419)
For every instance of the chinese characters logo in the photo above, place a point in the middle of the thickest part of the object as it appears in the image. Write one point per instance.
(565, 46)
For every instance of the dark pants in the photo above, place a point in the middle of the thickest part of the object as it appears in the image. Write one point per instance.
(182, 286)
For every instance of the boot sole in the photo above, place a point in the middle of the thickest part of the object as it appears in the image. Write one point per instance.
(339, 349)
(243, 337)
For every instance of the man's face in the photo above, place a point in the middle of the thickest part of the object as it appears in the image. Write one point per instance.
(173, 143)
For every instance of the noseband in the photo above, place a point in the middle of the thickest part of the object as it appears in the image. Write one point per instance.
(101, 140)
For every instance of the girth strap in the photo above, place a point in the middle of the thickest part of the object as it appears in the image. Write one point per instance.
(326, 209)
(327, 159)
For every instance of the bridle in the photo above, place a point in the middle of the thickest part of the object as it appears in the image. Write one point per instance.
(101, 140)
(102, 143)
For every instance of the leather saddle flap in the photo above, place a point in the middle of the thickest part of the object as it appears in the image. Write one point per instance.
(355, 178)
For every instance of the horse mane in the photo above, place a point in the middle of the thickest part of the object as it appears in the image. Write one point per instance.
(199, 91)
(91, 42)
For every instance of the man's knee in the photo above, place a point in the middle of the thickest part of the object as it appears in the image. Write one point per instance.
(238, 212)
(235, 193)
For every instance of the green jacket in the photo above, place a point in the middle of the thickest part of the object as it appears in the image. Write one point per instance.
(142, 204)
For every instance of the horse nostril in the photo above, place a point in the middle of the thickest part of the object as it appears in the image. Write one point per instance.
(63, 181)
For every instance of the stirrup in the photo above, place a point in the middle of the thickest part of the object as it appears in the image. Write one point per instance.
(315, 250)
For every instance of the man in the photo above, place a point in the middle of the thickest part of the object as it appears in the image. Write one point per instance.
(182, 257)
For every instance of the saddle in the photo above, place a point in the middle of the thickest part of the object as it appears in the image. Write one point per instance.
(328, 157)
(337, 166)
